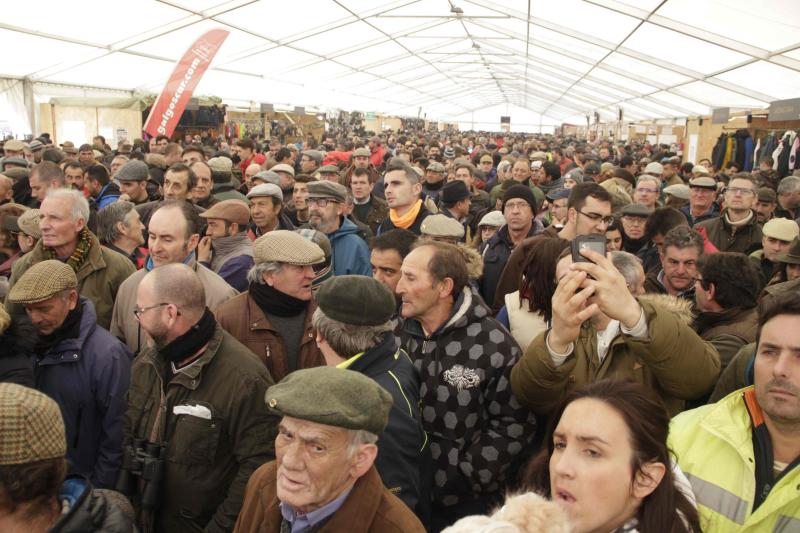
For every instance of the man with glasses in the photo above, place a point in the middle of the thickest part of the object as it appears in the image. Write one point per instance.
(702, 200)
(634, 221)
(588, 213)
(519, 210)
(325, 214)
(647, 190)
(197, 394)
(736, 229)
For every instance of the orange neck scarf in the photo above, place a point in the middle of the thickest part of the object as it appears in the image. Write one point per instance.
(406, 220)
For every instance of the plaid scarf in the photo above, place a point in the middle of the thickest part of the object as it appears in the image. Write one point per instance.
(79, 255)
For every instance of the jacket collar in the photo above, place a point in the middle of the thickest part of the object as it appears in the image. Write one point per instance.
(88, 325)
(729, 420)
(191, 376)
(378, 359)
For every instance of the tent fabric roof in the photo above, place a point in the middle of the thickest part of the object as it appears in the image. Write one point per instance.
(560, 60)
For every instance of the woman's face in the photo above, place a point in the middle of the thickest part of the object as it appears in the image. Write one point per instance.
(613, 241)
(590, 469)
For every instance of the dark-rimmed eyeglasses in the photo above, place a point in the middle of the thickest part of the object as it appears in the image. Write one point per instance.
(607, 220)
(322, 202)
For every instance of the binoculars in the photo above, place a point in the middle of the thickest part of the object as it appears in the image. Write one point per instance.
(141, 471)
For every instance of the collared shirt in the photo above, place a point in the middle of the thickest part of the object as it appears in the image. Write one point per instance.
(305, 521)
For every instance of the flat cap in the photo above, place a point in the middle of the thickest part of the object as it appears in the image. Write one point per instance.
(97, 153)
(331, 169)
(283, 167)
(361, 152)
(284, 246)
(266, 189)
(439, 225)
(314, 155)
(14, 145)
(435, 167)
(267, 176)
(636, 210)
(18, 161)
(229, 210)
(332, 396)
(541, 156)
(356, 300)
(220, 164)
(133, 170)
(68, 144)
(42, 281)
(69, 150)
(31, 426)
(700, 170)
(679, 190)
(327, 189)
(494, 219)
(703, 182)
(767, 195)
(558, 194)
(654, 168)
(17, 173)
(454, 191)
(28, 223)
(781, 228)
(35, 145)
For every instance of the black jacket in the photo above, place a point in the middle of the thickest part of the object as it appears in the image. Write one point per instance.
(16, 352)
(495, 256)
(403, 451)
(87, 510)
(387, 223)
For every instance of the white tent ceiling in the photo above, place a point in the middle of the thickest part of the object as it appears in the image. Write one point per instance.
(558, 59)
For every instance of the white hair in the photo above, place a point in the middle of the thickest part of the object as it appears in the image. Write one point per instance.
(359, 437)
(80, 206)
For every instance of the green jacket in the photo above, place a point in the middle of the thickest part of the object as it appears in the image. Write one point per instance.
(714, 447)
(727, 238)
(728, 330)
(673, 361)
(99, 277)
(207, 461)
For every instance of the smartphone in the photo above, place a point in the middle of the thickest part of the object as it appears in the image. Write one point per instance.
(596, 243)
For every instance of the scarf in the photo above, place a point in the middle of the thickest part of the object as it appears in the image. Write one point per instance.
(272, 301)
(79, 255)
(229, 247)
(192, 341)
(408, 219)
(69, 329)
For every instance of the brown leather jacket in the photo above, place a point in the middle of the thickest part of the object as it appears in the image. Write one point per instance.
(370, 507)
(242, 318)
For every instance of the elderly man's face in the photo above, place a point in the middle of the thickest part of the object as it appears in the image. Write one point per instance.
(74, 177)
(57, 224)
(419, 293)
(314, 465)
(48, 315)
(116, 164)
(293, 280)
(176, 185)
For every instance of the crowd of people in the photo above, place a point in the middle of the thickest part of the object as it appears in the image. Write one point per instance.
(411, 331)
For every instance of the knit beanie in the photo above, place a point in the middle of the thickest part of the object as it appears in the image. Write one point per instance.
(520, 191)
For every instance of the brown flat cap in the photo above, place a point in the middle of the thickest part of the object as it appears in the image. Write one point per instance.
(361, 152)
(327, 189)
(31, 426)
(42, 281)
(229, 210)
(28, 223)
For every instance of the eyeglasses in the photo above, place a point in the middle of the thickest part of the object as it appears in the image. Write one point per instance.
(645, 189)
(739, 190)
(517, 205)
(607, 220)
(636, 221)
(139, 311)
(322, 202)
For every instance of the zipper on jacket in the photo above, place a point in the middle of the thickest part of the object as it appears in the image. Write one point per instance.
(78, 426)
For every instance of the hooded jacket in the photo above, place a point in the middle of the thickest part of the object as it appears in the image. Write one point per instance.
(402, 447)
(350, 252)
(85, 509)
(475, 424)
(88, 377)
(672, 360)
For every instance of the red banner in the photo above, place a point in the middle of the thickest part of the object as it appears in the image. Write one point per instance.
(169, 106)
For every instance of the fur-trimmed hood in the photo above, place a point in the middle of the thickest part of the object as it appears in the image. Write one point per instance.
(680, 307)
(521, 513)
(473, 259)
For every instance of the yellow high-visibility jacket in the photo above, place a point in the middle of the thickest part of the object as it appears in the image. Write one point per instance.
(714, 448)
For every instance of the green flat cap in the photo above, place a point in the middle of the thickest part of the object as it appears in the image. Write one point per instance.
(356, 300)
(332, 396)
(42, 281)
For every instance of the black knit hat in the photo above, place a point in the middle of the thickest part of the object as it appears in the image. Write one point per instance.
(520, 191)
(454, 191)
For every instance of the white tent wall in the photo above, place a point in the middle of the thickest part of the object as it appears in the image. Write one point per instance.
(14, 119)
(488, 119)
